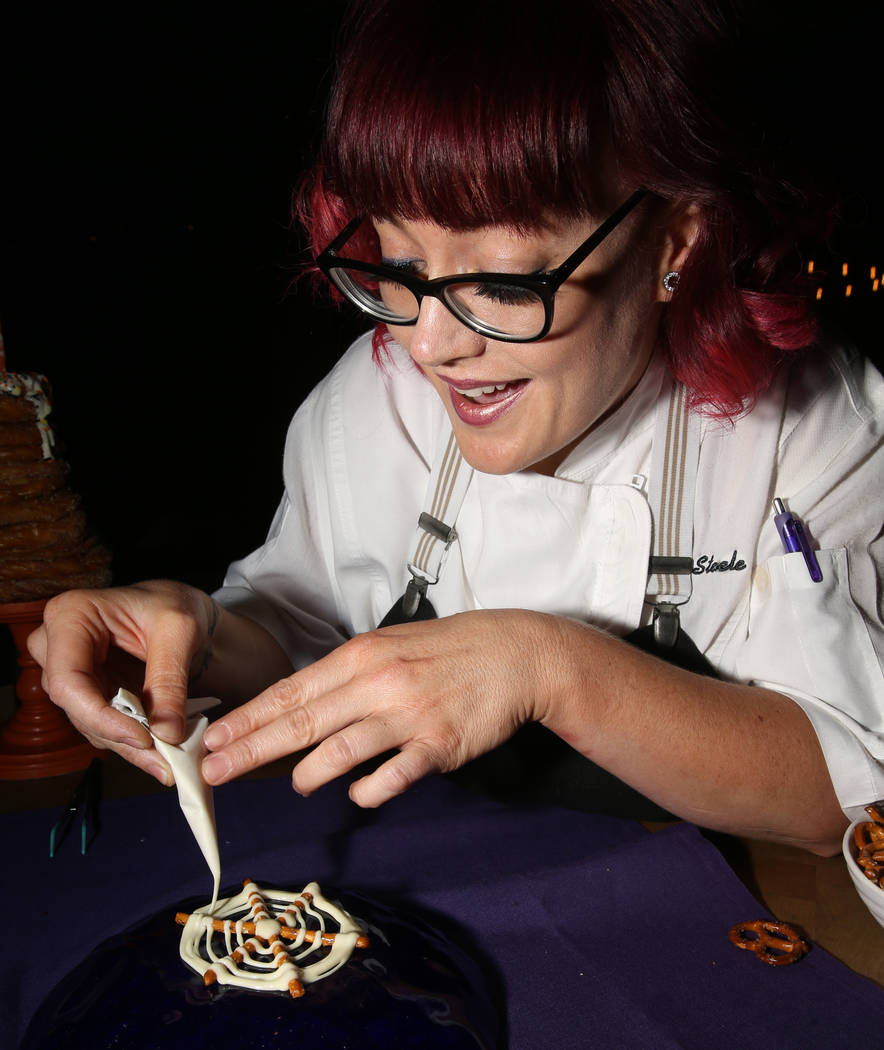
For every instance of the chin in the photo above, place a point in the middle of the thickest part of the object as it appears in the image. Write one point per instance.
(495, 461)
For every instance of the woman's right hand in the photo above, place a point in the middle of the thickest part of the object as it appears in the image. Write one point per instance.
(149, 638)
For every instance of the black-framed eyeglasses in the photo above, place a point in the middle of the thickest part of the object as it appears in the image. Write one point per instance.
(514, 308)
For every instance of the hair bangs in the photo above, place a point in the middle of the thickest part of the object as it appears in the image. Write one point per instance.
(465, 139)
(504, 112)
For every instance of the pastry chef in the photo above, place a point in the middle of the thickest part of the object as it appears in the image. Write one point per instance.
(595, 493)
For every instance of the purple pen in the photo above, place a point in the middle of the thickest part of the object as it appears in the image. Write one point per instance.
(795, 538)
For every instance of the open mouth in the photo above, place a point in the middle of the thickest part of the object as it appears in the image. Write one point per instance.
(490, 395)
(481, 405)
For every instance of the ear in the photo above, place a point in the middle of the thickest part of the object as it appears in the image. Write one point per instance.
(678, 239)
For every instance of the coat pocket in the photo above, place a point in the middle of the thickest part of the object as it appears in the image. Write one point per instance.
(811, 637)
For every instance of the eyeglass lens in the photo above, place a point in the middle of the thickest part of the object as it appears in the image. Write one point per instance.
(494, 307)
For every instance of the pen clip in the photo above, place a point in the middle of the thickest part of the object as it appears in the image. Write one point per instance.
(813, 566)
(794, 538)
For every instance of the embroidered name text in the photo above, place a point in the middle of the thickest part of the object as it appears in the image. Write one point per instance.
(707, 563)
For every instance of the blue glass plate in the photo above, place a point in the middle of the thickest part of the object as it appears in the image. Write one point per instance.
(414, 986)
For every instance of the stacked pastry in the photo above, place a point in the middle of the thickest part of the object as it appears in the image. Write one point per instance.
(45, 547)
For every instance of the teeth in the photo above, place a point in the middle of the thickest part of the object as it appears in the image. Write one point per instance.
(476, 391)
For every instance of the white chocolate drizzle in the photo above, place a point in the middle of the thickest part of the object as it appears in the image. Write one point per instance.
(269, 940)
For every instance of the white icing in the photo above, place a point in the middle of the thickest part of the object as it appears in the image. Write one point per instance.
(267, 928)
(264, 960)
(268, 961)
(33, 389)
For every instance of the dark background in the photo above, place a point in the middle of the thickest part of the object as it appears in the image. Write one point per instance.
(146, 255)
(145, 263)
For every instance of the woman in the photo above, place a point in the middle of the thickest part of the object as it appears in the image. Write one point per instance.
(588, 362)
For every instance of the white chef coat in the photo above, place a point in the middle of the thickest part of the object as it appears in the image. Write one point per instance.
(357, 460)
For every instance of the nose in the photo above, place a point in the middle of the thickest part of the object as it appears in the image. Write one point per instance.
(439, 338)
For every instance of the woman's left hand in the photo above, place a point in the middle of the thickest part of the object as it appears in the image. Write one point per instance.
(438, 692)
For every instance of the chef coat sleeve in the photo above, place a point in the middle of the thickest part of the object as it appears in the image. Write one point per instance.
(823, 643)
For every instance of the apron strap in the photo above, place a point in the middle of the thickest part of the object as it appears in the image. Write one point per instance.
(448, 484)
(671, 497)
(435, 532)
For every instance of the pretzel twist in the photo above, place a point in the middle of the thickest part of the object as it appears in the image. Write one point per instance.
(776, 943)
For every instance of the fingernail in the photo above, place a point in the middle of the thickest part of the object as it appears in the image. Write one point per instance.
(215, 768)
(169, 729)
(162, 774)
(217, 735)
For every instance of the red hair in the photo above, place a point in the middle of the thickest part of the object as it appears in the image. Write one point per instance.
(496, 113)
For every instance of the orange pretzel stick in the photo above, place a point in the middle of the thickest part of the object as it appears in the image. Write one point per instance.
(248, 928)
(298, 902)
(296, 989)
(876, 811)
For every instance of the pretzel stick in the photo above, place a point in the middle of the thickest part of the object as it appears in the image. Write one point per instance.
(248, 928)
(296, 989)
(297, 902)
(876, 812)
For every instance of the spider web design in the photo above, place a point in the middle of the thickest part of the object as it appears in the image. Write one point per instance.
(269, 940)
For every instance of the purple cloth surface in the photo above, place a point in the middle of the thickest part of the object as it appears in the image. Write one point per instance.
(601, 934)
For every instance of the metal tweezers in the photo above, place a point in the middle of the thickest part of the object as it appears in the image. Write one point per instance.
(84, 802)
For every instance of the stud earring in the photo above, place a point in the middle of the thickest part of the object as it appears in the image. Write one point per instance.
(670, 281)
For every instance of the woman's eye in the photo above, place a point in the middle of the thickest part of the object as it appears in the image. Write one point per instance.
(506, 294)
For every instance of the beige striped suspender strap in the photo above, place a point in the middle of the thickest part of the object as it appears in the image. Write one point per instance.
(671, 496)
(449, 481)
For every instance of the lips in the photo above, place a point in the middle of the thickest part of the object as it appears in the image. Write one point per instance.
(479, 403)
(486, 395)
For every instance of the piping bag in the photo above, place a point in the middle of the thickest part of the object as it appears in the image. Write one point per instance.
(194, 794)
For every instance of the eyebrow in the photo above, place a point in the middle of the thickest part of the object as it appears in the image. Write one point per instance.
(519, 235)
(519, 232)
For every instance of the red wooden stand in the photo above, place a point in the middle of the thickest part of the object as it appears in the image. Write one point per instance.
(38, 741)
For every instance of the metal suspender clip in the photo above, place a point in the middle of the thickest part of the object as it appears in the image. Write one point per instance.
(416, 589)
(666, 618)
(665, 623)
(417, 585)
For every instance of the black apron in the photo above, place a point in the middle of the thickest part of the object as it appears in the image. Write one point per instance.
(535, 765)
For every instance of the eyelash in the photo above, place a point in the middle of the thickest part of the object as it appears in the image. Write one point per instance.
(405, 265)
(410, 266)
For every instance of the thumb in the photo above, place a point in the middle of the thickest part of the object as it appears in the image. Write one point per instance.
(37, 645)
(166, 679)
(166, 702)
